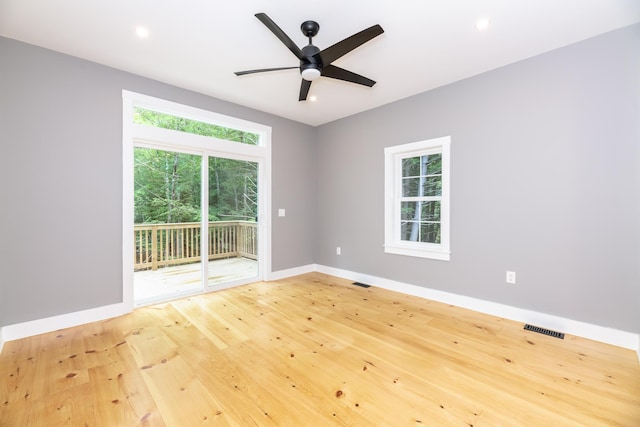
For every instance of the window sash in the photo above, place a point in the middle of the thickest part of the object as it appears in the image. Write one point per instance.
(400, 199)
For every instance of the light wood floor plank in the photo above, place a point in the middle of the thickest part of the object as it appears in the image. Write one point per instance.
(313, 350)
(119, 393)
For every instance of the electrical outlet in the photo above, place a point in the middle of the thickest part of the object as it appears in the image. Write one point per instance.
(511, 277)
(338, 251)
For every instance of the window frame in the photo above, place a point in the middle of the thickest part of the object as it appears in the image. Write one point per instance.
(393, 199)
(139, 135)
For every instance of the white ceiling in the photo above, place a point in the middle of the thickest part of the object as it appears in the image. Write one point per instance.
(198, 44)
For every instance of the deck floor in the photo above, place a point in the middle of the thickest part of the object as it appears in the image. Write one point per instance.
(172, 282)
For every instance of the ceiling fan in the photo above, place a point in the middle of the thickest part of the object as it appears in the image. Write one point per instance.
(315, 62)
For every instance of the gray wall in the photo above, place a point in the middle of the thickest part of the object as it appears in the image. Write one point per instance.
(61, 174)
(545, 182)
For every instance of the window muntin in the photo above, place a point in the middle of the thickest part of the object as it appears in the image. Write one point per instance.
(417, 199)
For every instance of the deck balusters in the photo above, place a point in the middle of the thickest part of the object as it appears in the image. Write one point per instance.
(162, 245)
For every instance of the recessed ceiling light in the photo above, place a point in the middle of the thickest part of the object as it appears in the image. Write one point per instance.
(313, 98)
(142, 32)
(482, 24)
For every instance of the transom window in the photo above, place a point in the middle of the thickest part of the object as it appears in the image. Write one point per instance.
(169, 121)
(417, 199)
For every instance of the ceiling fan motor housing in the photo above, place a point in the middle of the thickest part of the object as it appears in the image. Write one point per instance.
(310, 67)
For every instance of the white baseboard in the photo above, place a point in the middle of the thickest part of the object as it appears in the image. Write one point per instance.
(573, 327)
(598, 333)
(49, 324)
(54, 323)
(283, 274)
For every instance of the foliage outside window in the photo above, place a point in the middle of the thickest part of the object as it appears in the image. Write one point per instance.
(181, 124)
(417, 199)
(167, 188)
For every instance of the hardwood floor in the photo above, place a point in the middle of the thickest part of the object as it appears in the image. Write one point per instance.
(313, 350)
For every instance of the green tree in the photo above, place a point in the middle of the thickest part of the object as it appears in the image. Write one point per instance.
(168, 185)
(168, 121)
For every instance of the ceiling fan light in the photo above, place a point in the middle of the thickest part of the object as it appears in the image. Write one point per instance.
(310, 74)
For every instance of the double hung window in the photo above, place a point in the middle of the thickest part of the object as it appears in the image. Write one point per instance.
(417, 199)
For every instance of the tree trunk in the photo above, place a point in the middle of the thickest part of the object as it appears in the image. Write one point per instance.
(415, 225)
(172, 188)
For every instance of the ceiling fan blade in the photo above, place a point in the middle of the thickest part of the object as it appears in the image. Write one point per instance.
(345, 46)
(262, 70)
(304, 90)
(280, 34)
(341, 74)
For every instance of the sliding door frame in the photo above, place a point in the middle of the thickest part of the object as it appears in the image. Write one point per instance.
(137, 135)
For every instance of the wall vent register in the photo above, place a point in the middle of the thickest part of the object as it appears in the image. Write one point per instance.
(544, 331)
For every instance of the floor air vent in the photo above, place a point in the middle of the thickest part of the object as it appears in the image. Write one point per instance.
(544, 331)
(362, 285)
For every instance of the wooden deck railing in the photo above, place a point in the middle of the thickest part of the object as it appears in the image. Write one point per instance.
(162, 245)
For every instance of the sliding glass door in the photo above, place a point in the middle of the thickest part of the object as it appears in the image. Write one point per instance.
(167, 224)
(233, 220)
(176, 252)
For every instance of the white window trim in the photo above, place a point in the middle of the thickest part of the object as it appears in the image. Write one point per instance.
(393, 189)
